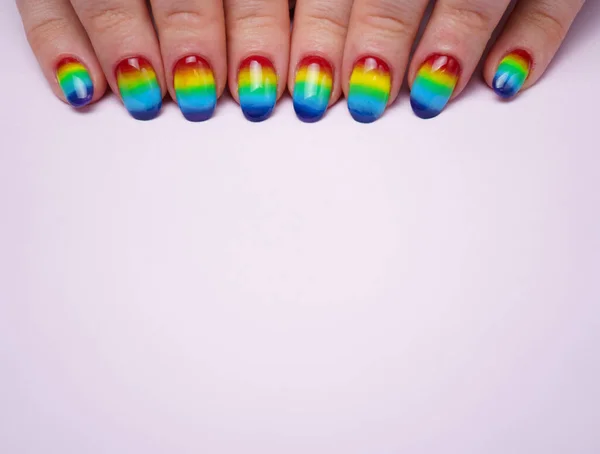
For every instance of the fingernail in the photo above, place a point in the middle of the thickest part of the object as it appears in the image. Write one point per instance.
(512, 73)
(312, 88)
(194, 85)
(139, 88)
(257, 87)
(434, 85)
(75, 81)
(369, 89)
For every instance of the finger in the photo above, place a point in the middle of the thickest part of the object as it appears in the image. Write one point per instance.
(379, 41)
(528, 43)
(258, 36)
(450, 50)
(192, 41)
(63, 50)
(316, 55)
(123, 36)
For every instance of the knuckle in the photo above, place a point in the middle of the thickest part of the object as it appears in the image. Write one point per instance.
(390, 18)
(253, 10)
(327, 18)
(548, 23)
(387, 24)
(255, 24)
(471, 16)
(183, 13)
(181, 18)
(108, 18)
(42, 30)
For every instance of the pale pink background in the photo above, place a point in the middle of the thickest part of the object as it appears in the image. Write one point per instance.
(280, 288)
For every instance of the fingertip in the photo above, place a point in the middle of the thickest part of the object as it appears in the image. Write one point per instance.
(194, 88)
(313, 85)
(369, 88)
(139, 86)
(257, 87)
(434, 85)
(507, 70)
(78, 84)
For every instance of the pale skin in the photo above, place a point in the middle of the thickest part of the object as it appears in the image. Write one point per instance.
(102, 33)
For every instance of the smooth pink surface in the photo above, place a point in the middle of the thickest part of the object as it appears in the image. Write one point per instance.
(281, 288)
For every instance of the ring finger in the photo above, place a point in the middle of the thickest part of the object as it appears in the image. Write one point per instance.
(125, 42)
(449, 51)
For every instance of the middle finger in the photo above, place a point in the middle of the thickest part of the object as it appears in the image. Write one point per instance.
(192, 40)
(258, 37)
(380, 37)
(316, 55)
(452, 45)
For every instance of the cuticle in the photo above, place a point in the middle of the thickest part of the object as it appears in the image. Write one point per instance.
(138, 56)
(262, 56)
(206, 60)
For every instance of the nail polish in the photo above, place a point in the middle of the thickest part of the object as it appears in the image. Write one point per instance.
(312, 88)
(257, 87)
(434, 85)
(75, 81)
(512, 73)
(139, 88)
(369, 89)
(195, 88)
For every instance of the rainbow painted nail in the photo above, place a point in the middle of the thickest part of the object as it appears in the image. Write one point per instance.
(257, 87)
(75, 81)
(512, 73)
(434, 85)
(369, 91)
(194, 85)
(139, 88)
(312, 89)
